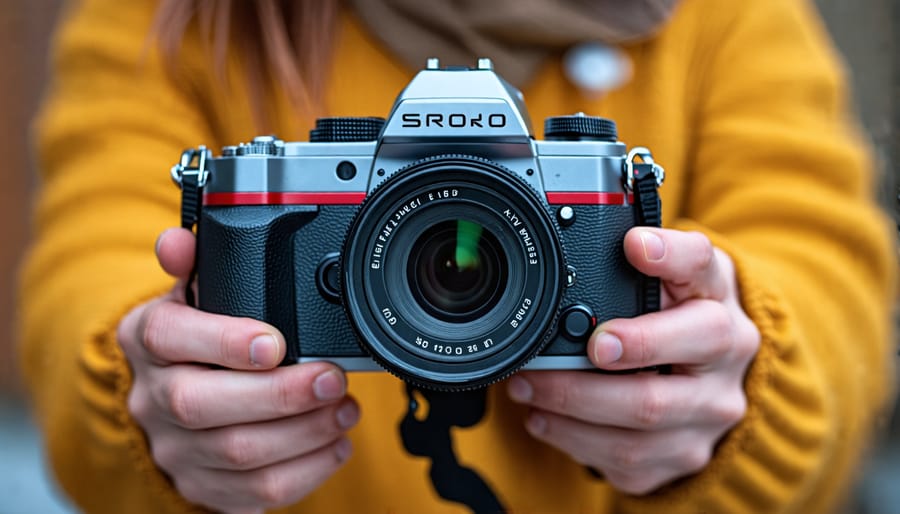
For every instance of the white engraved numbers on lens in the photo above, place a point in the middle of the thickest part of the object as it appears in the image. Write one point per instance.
(376, 257)
(522, 230)
(389, 316)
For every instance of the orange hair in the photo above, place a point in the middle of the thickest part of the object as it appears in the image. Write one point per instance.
(294, 36)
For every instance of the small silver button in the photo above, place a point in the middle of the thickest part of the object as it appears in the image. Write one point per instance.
(565, 215)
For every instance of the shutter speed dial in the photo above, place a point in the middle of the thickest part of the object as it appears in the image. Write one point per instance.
(346, 129)
(580, 127)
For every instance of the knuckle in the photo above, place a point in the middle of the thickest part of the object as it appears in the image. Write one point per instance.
(287, 397)
(732, 411)
(165, 455)
(228, 350)
(270, 488)
(644, 348)
(139, 404)
(748, 339)
(127, 330)
(695, 459)
(238, 451)
(720, 322)
(651, 407)
(182, 403)
(704, 253)
(720, 332)
(156, 328)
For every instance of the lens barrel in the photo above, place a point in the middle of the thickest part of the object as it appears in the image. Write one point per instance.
(452, 273)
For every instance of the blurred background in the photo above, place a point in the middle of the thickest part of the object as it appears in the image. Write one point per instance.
(867, 33)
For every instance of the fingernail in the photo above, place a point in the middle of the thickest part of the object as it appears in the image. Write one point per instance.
(536, 424)
(520, 390)
(343, 449)
(347, 415)
(654, 247)
(607, 348)
(264, 351)
(328, 386)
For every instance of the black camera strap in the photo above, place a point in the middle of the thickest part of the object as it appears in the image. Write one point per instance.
(430, 438)
(191, 179)
(649, 214)
(644, 178)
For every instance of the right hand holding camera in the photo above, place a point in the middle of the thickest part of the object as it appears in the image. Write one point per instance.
(233, 430)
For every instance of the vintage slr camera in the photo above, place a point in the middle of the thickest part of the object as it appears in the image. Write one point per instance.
(445, 243)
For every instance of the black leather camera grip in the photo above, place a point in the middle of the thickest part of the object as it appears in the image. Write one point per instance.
(245, 263)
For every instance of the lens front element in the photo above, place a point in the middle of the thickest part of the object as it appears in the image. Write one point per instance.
(457, 271)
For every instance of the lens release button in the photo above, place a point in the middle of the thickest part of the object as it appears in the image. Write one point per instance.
(328, 278)
(577, 322)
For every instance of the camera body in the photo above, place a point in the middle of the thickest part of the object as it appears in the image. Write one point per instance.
(444, 244)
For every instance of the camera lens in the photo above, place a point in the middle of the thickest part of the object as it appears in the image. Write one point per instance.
(457, 270)
(452, 273)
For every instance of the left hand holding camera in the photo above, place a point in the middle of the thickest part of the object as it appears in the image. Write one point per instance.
(647, 429)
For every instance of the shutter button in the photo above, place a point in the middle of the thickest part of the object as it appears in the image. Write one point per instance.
(577, 322)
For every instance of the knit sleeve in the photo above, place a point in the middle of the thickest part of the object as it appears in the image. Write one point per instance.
(111, 126)
(781, 180)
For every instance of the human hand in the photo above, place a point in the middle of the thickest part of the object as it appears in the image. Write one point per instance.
(644, 430)
(246, 436)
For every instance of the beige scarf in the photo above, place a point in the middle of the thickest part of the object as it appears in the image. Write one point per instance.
(518, 35)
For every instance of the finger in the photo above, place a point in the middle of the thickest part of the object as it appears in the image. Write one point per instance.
(198, 398)
(175, 250)
(634, 461)
(172, 332)
(687, 262)
(700, 333)
(255, 445)
(272, 486)
(644, 401)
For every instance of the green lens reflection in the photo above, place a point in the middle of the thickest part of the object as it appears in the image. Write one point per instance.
(468, 235)
(457, 270)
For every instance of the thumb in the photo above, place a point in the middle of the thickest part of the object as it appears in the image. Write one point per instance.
(175, 250)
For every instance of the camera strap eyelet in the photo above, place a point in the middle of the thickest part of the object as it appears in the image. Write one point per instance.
(647, 166)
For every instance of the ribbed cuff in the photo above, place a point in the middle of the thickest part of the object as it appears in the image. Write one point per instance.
(158, 484)
(760, 464)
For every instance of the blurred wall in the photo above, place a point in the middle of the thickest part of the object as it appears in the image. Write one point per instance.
(867, 34)
(24, 27)
(864, 31)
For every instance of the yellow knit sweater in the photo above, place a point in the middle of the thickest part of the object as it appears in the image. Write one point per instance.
(742, 101)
